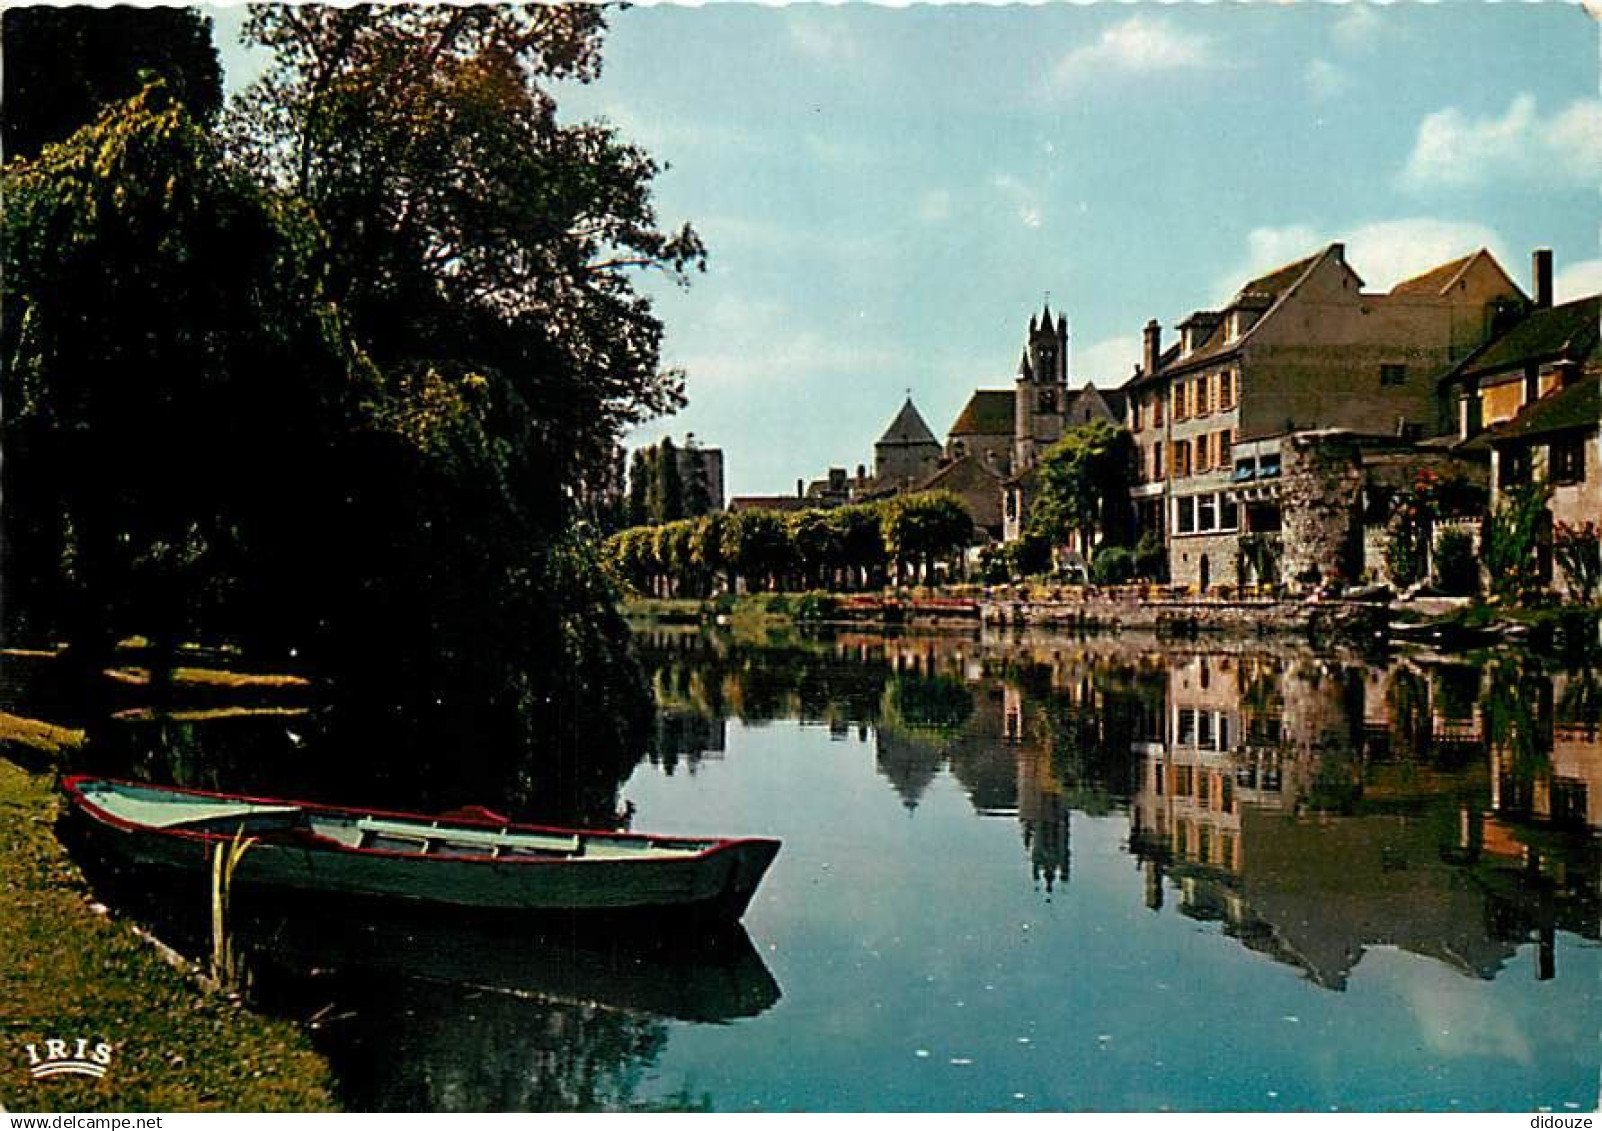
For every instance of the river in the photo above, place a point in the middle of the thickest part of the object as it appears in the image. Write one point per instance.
(1026, 873)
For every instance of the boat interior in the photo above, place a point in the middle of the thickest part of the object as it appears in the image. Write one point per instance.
(165, 810)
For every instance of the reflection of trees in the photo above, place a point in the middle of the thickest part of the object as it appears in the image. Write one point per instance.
(410, 1045)
(930, 704)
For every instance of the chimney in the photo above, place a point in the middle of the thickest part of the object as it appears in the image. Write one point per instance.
(1153, 347)
(1542, 270)
(862, 471)
(800, 489)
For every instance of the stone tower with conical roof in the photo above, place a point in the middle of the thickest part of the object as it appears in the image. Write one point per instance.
(907, 453)
(1042, 390)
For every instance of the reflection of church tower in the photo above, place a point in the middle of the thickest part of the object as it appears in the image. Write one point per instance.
(1042, 395)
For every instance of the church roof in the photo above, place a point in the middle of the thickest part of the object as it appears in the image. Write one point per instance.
(989, 412)
(908, 428)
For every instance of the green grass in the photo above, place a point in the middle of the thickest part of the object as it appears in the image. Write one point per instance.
(68, 972)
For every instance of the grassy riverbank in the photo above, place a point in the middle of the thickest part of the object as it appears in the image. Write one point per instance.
(69, 971)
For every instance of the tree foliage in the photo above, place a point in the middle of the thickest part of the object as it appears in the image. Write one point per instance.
(347, 382)
(1084, 486)
(173, 379)
(64, 65)
(846, 547)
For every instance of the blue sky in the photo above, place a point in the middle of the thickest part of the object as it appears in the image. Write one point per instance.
(888, 193)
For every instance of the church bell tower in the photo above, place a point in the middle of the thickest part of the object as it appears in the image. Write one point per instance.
(1041, 400)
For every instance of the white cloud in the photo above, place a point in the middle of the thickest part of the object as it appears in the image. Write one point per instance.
(1022, 198)
(1139, 45)
(1325, 79)
(1578, 280)
(1107, 363)
(823, 40)
(1383, 253)
(1358, 27)
(1453, 150)
(935, 207)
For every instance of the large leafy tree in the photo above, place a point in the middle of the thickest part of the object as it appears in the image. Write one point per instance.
(63, 65)
(484, 255)
(1083, 486)
(172, 379)
(469, 228)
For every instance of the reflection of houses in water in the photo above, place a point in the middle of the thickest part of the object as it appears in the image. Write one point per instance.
(1318, 811)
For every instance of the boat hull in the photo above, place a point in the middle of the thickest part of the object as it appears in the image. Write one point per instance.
(716, 884)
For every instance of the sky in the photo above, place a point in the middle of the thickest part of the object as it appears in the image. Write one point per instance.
(888, 194)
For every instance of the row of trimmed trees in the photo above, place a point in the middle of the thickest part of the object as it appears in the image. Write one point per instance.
(862, 546)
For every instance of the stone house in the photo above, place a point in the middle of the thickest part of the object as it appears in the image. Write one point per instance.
(1302, 349)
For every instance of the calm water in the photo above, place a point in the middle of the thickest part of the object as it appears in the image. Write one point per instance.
(1027, 874)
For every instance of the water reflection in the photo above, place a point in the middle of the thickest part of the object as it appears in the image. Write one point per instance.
(1316, 806)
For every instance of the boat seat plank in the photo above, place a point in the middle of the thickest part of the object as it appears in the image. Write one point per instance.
(492, 839)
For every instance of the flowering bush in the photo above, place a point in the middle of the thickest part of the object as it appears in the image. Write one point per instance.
(1413, 517)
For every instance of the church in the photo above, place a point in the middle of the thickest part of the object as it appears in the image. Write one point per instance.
(991, 451)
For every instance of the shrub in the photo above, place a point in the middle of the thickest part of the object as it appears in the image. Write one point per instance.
(1151, 557)
(1457, 572)
(1113, 565)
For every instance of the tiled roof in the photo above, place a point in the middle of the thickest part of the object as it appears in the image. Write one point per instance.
(1578, 406)
(989, 412)
(908, 428)
(1567, 331)
(1263, 292)
(1435, 280)
(769, 503)
(1279, 280)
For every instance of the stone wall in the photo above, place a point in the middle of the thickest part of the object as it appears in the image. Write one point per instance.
(1185, 554)
(1321, 490)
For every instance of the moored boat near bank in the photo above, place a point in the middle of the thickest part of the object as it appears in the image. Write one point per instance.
(471, 859)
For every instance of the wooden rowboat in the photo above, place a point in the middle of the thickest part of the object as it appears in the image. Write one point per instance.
(469, 859)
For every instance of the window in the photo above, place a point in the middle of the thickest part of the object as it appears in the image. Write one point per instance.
(1268, 465)
(1245, 470)
(1207, 512)
(1181, 394)
(1135, 413)
(1157, 461)
(1157, 411)
(1229, 515)
(1181, 458)
(1568, 460)
(1513, 467)
(1012, 504)
(1187, 737)
(1202, 398)
(1226, 441)
(1204, 451)
(1185, 515)
(1204, 729)
(1393, 375)
(1226, 390)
